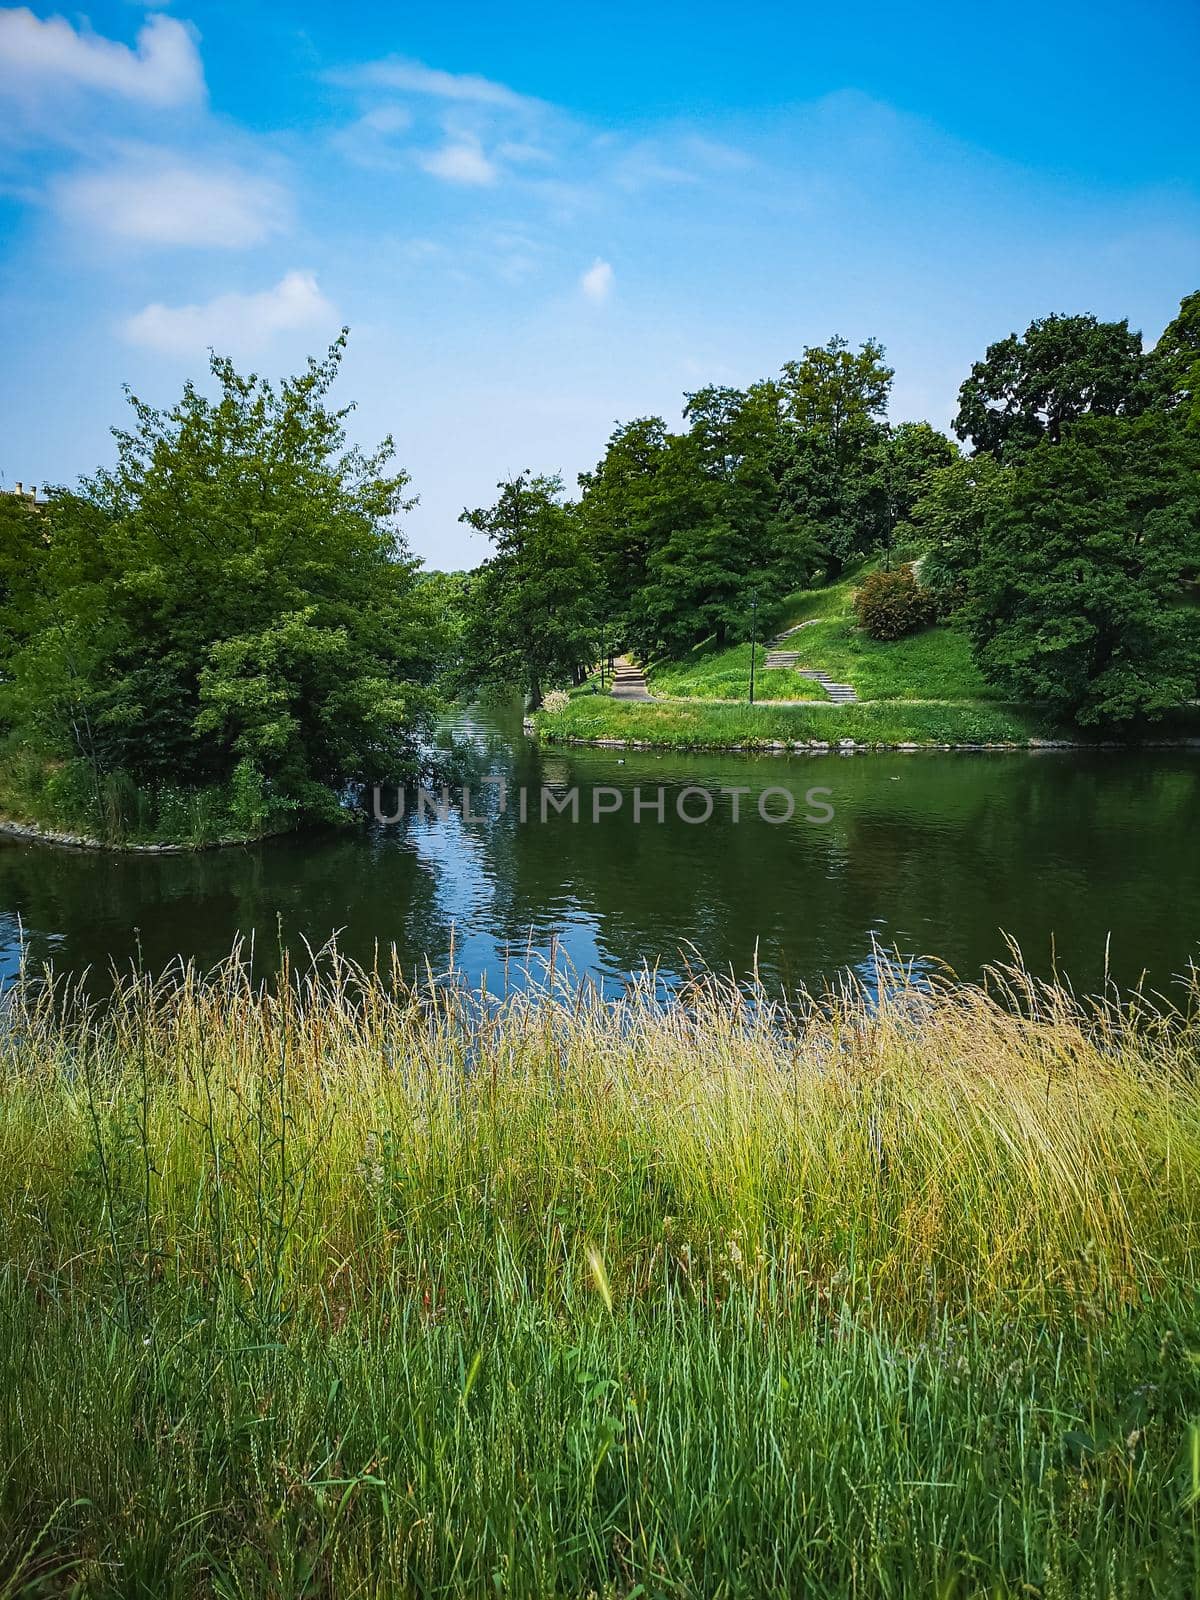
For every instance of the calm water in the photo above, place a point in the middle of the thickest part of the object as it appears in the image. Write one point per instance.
(930, 855)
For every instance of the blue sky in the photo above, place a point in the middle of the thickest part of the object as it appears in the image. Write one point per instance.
(540, 219)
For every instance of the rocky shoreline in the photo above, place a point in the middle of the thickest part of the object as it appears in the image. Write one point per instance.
(850, 747)
(79, 841)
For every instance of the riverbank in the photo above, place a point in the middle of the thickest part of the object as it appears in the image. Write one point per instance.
(63, 804)
(869, 725)
(33, 832)
(360, 1289)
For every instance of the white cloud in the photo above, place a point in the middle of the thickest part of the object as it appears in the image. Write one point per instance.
(396, 72)
(163, 70)
(233, 321)
(460, 161)
(597, 281)
(387, 119)
(151, 200)
(519, 151)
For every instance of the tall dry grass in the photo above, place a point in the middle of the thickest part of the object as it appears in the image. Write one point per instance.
(348, 1286)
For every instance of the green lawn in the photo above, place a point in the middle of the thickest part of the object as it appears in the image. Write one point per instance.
(934, 664)
(921, 690)
(700, 725)
(708, 674)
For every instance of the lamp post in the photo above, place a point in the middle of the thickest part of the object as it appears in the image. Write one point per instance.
(753, 637)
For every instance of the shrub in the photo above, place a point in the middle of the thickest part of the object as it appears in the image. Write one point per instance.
(556, 700)
(251, 807)
(891, 604)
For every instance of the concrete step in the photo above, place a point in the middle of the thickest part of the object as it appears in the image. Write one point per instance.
(841, 694)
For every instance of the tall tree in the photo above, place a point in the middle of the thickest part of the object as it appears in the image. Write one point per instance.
(837, 393)
(532, 607)
(1030, 388)
(831, 464)
(232, 595)
(1079, 598)
(624, 514)
(1175, 361)
(727, 539)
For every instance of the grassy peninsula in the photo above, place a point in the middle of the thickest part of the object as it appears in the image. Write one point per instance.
(694, 724)
(922, 689)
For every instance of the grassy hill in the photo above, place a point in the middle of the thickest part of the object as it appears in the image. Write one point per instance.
(922, 690)
(934, 664)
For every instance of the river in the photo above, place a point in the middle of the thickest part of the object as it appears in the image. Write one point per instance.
(1089, 860)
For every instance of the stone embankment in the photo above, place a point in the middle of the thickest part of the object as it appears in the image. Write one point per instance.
(80, 841)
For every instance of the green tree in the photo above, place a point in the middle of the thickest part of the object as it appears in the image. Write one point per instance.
(949, 520)
(837, 393)
(625, 515)
(831, 465)
(532, 608)
(1175, 361)
(23, 529)
(913, 453)
(1062, 368)
(1078, 599)
(718, 497)
(231, 598)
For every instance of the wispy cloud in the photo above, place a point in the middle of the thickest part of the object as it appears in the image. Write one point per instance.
(152, 199)
(39, 57)
(460, 127)
(414, 77)
(459, 161)
(597, 282)
(233, 322)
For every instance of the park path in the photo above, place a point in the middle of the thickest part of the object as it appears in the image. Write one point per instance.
(629, 682)
(842, 694)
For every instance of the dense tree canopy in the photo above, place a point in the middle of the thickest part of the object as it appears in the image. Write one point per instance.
(763, 489)
(531, 613)
(1062, 368)
(949, 518)
(1071, 535)
(229, 605)
(837, 393)
(1175, 362)
(1078, 600)
(832, 464)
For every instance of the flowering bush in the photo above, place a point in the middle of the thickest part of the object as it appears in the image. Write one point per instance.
(557, 700)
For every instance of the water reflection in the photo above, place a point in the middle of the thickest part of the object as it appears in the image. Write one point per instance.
(938, 855)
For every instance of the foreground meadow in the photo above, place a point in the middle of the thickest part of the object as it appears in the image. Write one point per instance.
(340, 1287)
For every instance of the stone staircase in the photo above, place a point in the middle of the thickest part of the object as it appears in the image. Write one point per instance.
(629, 682)
(841, 694)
